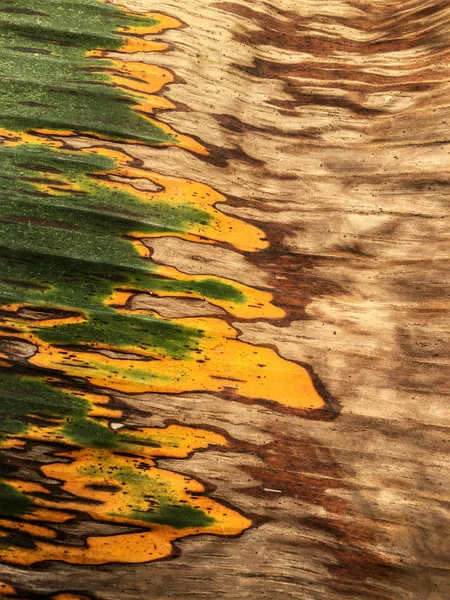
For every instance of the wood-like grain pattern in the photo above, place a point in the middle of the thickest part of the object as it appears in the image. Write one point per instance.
(326, 125)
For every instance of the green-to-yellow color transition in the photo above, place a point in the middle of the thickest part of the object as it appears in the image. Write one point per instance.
(73, 231)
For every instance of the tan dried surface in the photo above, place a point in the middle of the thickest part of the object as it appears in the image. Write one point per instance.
(328, 126)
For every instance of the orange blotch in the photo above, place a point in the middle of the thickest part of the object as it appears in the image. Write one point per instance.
(35, 530)
(140, 488)
(49, 516)
(7, 590)
(151, 103)
(139, 77)
(177, 190)
(164, 22)
(256, 304)
(221, 363)
(29, 487)
(132, 45)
